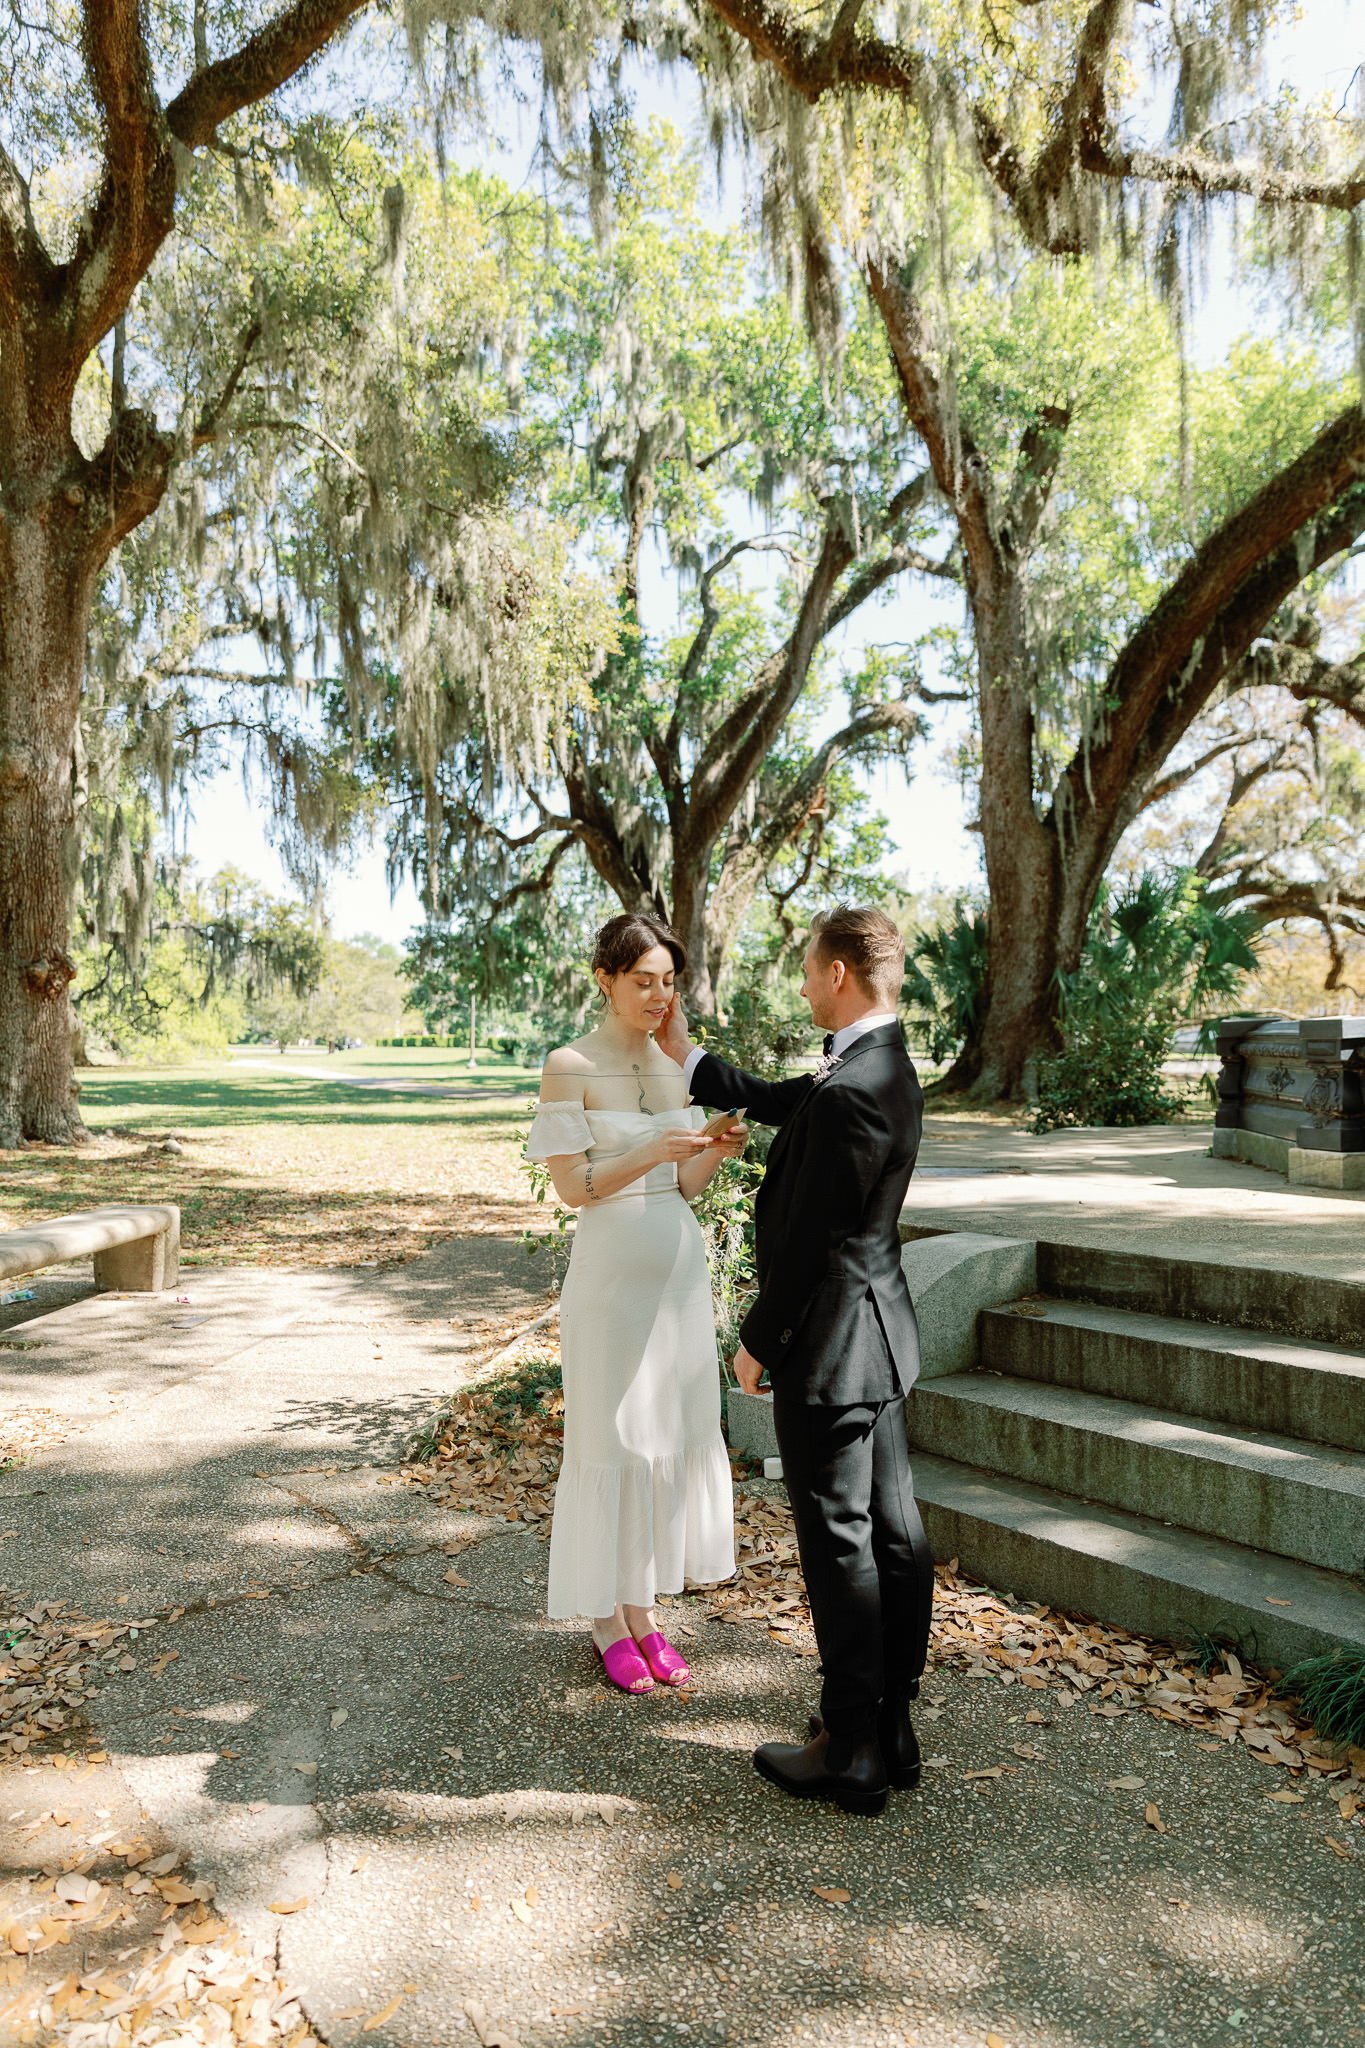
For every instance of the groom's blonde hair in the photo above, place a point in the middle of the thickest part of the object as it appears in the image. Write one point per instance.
(869, 945)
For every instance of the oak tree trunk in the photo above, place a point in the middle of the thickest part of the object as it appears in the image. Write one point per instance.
(689, 921)
(1017, 1019)
(45, 593)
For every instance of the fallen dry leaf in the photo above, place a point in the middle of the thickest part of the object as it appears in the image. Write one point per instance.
(832, 1894)
(673, 1881)
(1152, 1816)
(456, 1579)
(1338, 1848)
(387, 2012)
(1284, 1797)
(522, 1911)
(1125, 1784)
(288, 1905)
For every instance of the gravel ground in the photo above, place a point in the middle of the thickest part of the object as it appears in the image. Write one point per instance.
(367, 1714)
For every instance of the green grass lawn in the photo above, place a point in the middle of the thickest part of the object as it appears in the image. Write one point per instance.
(408, 1063)
(286, 1168)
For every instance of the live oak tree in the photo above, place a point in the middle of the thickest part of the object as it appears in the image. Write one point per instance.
(682, 421)
(1094, 132)
(866, 136)
(168, 961)
(85, 85)
(1109, 612)
(1035, 117)
(248, 460)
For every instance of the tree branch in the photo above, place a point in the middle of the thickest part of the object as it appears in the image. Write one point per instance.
(134, 204)
(1209, 616)
(25, 266)
(873, 576)
(872, 723)
(212, 413)
(1177, 778)
(732, 755)
(539, 884)
(259, 67)
(1044, 194)
(1040, 455)
(1307, 676)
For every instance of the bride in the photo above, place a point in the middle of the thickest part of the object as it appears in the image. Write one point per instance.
(644, 1499)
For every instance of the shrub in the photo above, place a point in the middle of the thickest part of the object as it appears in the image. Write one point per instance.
(1155, 953)
(945, 977)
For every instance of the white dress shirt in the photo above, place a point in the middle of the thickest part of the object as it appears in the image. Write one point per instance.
(842, 1041)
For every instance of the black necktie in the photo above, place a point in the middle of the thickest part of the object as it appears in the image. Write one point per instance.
(829, 1043)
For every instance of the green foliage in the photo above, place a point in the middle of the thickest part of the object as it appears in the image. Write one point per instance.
(185, 971)
(356, 992)
(527, 968)
(1330, 1690)
(757, 1036)
(945, 977)
(1156, 952)
(686, 434)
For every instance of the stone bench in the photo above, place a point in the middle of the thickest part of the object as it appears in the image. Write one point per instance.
(135, 1246)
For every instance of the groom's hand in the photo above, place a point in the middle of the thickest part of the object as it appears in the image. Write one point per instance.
(748, 1371)
(672, 1035)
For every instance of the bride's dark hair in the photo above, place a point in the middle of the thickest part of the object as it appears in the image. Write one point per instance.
(623, 939)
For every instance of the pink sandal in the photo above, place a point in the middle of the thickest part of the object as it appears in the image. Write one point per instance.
(625, 1667)
(663, 1660)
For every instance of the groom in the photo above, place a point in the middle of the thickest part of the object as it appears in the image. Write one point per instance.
(834, 1328)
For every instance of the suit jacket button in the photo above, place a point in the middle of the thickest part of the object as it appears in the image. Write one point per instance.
(786, 1336)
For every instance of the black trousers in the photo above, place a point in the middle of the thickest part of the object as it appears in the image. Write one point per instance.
(867, 1565)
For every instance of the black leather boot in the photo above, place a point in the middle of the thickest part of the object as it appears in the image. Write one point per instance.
(852, 1774)
(898, 1742)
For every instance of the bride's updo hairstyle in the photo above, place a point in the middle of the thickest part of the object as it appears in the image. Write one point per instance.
(624, 939)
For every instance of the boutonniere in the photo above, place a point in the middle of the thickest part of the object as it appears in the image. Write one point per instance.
(825, 1066)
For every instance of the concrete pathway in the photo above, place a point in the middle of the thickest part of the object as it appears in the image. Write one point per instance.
(1153, 1190)
(366, 1713)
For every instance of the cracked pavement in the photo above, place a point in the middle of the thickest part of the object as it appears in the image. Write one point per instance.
(366, 1712)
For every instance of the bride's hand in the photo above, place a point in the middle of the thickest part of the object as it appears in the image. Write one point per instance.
(674, 1143)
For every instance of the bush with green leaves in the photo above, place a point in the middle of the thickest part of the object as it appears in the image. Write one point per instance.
(945, 977)
(1157, 952)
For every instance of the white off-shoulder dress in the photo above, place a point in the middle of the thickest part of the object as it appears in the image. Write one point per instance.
(644, 1499)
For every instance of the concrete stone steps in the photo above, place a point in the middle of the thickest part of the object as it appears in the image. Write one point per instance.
(1277, 1493)
(1132, 1570)
(1255, 1379)
(1250, 1297)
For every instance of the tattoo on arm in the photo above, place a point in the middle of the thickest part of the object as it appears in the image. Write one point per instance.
(587, 1182)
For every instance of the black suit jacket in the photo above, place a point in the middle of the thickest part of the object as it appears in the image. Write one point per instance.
(833, 1322)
